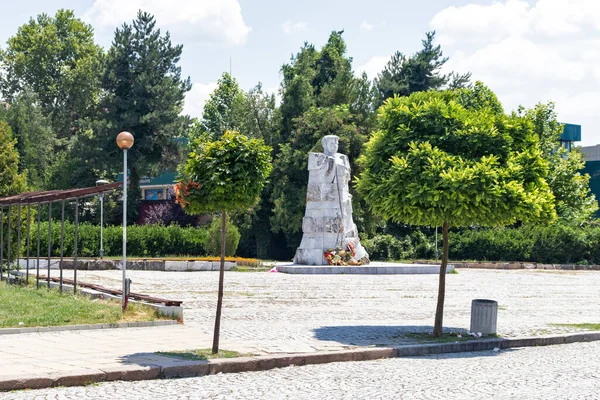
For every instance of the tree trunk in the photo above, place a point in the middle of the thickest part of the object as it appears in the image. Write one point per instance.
(215, 347)
(439, 311)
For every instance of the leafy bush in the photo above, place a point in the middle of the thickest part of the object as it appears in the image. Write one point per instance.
(213, 240)
(554, 244)
(501, 244)
(388, 247)
(142, 240)
(559, 243)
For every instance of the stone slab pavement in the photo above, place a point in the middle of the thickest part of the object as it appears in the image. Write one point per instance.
(534, 373)
(276, 314)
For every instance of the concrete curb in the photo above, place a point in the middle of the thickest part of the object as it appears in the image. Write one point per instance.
(143, 324)
(517, 265)
(374, 268)
(181, 369)
(132, 264)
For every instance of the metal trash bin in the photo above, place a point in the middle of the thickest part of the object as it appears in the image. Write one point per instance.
(484, 316)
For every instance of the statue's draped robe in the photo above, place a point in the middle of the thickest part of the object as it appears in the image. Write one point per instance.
(328, 220)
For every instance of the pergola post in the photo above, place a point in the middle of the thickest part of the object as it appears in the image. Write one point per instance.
(18, 236)
(28, 242)
(62, 242)
(49, 241)
(75, 247)
(8, 250)
(1, 243)
(37, 275)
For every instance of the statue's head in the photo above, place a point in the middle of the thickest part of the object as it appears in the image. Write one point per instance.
(330, 144)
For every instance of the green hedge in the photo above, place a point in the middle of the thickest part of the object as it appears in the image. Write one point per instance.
(142, 240)
(554, 244)
(559, 243)
(393, 248)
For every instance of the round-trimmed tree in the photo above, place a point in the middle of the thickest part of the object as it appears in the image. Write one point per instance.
(454, 159)
(223, 176)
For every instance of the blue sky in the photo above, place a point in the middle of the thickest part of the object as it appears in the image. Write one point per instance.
(526, 51)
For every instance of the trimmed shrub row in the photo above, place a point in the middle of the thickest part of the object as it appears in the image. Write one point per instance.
(142, 240)
(555, 244)
(393, 248)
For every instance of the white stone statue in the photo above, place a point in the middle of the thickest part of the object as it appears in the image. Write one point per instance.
(327, 222)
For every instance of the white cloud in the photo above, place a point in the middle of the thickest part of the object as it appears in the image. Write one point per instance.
(365, 26)
(195, 98)
(374, 66)
(530, 53)
(206, 21)
(293, 27)
(477, 22)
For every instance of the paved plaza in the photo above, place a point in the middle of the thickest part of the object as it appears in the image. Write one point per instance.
(553, 372)
(279, 310)
(274, 313)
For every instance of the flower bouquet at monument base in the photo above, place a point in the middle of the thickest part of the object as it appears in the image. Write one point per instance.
(340, 256)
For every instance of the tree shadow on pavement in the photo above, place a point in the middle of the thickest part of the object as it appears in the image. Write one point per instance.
(154, 359)
(372, 335)
(397, 336)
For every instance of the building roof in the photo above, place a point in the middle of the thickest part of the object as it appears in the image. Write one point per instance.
(571, 133)
(166, 178)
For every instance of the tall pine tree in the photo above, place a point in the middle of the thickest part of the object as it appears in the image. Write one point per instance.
(422, 71)
(145, 95)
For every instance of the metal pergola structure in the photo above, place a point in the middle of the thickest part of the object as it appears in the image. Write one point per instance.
(39, 199)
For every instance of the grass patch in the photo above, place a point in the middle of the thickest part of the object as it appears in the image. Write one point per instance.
(26, 306)
(200, 354)
(453, 272)
(587, 326)
(447, 337)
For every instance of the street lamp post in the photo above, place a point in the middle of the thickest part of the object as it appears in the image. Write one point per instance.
(124, 141)
(98, 183)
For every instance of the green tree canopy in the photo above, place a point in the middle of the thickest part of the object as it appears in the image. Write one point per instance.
(11, 181)
(321, 78)
(144, 95)
(451, 158)
(224, 175)
(573, 198)
(35, 139)
(58, 60)
(420, 72)
(260, 116)
(436, 158)
(223, 111)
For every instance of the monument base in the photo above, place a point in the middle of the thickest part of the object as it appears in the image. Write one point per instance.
(374, 268)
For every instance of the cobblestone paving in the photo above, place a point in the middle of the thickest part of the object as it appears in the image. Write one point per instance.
(555, 372)
(279, 310)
